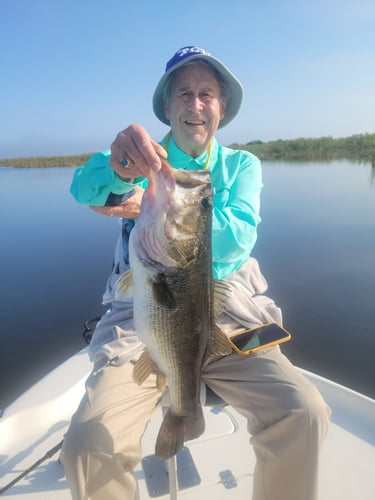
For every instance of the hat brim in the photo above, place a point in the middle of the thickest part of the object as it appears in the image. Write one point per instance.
(235, 89)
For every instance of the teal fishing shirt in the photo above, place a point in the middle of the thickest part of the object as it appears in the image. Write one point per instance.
(237, 181)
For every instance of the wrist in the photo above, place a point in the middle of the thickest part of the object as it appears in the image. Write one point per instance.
(128, 180)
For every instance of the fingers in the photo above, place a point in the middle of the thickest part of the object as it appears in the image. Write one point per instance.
(135, 145)
(117, 211)
(160, 150)
(108, 211)
(128, 209)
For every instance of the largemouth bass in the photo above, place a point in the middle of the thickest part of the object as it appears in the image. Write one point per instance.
(173, 293)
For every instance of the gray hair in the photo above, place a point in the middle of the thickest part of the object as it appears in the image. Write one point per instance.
(224, 89)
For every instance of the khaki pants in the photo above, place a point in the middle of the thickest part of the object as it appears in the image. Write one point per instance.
(287, 420)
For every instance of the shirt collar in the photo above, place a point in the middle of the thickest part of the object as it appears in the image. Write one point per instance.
(179, 159)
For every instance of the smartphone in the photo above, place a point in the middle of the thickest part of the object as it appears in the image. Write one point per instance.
(258, 338)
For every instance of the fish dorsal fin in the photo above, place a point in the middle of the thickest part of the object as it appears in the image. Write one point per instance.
(220, 293)
(163, 293)
(143, 368)
(219, 345)
(124, 284)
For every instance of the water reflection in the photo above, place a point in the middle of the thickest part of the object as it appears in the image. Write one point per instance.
(316, 247)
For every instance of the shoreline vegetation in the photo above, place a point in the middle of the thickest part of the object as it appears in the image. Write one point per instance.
(360, 147)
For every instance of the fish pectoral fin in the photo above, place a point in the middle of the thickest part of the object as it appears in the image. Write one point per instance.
(171, 436)
(220, 294)
(220, 345)
(162, 292)
(143, 368)
(124, 284)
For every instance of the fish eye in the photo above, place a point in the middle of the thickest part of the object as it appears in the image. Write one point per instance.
(206, 202)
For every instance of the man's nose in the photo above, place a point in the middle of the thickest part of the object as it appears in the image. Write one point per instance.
(195, 103)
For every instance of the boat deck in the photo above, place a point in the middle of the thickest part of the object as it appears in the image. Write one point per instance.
(218, 465)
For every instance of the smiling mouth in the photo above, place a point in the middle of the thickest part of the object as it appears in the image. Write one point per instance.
(194, 122)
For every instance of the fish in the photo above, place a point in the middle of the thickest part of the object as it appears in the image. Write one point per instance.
(175, 298)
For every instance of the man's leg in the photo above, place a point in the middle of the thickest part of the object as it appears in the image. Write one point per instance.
(102, 446)
(287, 419)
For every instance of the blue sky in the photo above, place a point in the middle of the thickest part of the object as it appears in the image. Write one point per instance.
(75, 72)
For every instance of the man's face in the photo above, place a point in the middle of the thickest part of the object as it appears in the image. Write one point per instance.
(194, 108)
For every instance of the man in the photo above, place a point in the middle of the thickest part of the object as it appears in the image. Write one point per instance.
(287, 417)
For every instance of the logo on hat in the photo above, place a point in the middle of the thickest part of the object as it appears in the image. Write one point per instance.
(183, 54)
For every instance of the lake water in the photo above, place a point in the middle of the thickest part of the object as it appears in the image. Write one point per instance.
(316, 247)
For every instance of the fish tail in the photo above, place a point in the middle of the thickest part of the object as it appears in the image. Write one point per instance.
(175, 429)
(195, 425)
(170, 437)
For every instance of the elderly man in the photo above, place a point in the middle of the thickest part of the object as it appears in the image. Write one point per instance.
(287, 417)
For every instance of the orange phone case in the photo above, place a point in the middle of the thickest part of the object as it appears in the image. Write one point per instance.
(287, 336)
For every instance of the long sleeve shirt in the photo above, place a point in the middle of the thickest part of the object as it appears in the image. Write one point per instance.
(237, 182)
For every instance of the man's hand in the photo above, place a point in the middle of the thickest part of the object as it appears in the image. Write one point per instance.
(141, 151)
(128, 209)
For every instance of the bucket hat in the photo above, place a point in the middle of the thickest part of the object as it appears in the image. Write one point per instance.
(186, 54)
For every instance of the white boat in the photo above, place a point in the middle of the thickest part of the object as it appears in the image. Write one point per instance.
(218, 465)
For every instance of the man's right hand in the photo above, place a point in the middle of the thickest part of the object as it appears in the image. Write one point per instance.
(143, 153)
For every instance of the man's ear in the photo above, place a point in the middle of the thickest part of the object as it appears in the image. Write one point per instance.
(166, 109)
(222, 112)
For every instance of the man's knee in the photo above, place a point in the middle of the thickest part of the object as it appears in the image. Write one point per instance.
(314, 413)
(85, 438)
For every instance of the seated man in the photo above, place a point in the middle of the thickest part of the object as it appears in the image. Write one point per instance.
(287, 418)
